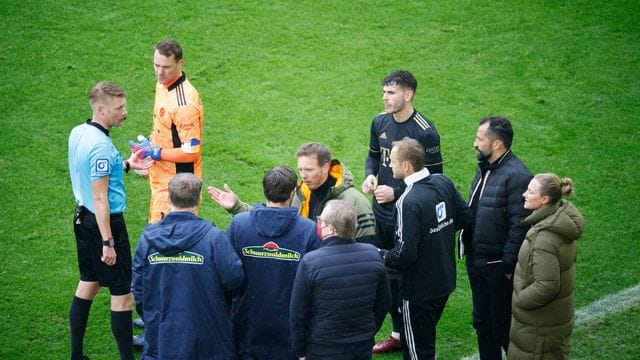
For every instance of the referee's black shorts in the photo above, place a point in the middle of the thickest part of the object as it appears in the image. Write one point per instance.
(89, 245)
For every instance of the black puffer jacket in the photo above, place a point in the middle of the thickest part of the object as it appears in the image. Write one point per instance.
(340, 298)
(497, 230)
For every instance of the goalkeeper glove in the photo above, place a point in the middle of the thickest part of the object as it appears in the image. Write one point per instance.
(149, 150)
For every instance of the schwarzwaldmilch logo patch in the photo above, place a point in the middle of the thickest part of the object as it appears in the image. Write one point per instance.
(271, 250)
(185, 257)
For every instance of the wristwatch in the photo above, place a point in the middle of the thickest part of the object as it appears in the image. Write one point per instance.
(109, 242)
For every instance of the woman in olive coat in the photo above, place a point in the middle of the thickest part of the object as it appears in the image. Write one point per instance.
(545, 276)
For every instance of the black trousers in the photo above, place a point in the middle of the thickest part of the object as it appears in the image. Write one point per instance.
(385, 235)
(420, 319)
(491, 292)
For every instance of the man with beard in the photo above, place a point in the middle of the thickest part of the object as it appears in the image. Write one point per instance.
(492, 242)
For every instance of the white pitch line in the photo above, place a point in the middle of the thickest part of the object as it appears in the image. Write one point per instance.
(606, 306)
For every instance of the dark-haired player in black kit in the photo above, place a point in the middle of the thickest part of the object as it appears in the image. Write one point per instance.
(399, 120)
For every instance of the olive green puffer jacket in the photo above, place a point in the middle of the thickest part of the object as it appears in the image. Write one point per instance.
(543, 284)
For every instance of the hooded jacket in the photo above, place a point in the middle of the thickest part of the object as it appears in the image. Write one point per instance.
(270, 242)
(543, 284)
(181, 269)
(342, 190)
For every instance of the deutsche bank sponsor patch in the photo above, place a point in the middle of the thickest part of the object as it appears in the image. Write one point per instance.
(441, 211)
(103, 167)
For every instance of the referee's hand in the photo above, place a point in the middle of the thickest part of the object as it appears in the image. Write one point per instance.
(108, 255)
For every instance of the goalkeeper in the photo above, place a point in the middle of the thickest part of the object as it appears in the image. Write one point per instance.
(176, 136)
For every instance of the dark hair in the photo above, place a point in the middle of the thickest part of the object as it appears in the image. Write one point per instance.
(401, 78)
(499, 129)
(278, 183)
(553, 187)
(184, 191)
(342, 216)
(169, 48)
(322, 153)
(105, 89)
(410, 150)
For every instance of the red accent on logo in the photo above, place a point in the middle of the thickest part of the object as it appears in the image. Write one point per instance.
(161, 112)
(271, 246)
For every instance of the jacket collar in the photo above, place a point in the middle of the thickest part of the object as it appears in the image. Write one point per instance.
(336, 240)
(416, 176)
(175, 216)
(542, 213)
(485, 165)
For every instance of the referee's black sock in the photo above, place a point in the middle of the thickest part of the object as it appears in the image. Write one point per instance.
(122, 330)
(78, 316)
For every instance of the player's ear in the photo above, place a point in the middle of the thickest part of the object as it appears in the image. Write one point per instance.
(408, 95)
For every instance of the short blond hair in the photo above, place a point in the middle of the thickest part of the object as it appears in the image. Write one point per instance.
(103, 91)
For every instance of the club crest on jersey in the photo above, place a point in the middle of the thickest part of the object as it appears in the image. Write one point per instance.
(271, 250)
(102, 167)
(441, 211)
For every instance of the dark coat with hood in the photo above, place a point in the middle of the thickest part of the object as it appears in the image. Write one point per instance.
(270, 242)
(182, 267)
(543, 284)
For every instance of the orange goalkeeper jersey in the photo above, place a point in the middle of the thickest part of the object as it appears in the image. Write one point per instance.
(177, 128)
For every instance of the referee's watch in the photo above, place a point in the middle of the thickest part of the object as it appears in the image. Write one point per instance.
(109, 242)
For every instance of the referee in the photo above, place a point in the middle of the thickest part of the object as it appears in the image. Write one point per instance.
(104, 254)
